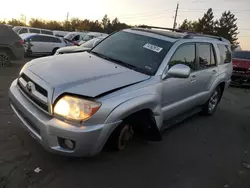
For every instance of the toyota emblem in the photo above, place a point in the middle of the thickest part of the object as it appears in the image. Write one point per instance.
(29, 86)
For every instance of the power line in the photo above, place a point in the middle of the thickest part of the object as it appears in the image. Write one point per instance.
(149, 18)
(138, 16)
(201, 9)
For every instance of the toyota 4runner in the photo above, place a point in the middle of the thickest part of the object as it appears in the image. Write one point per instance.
(139, 80)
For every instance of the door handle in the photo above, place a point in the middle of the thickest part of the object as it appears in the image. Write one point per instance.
(193, 78)
(214, 71)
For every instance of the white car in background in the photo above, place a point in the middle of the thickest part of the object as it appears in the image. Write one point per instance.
(39, 44)
(75, 37)
(82, 48)
(22, 29)
(92, 35)
(60, 33)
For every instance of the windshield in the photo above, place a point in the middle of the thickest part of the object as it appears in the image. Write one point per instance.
(242, 55)
(143, 52)
(16, 29)
(90, 43)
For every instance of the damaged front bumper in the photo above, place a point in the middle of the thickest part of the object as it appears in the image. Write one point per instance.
(240, 78)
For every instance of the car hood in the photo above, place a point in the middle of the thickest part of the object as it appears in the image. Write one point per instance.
(69, 49)
(242, 63)
(83, 74)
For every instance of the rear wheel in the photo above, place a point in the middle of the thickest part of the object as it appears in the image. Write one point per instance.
(5, 59)
(54, 51)
(211, 105)
(120, 137)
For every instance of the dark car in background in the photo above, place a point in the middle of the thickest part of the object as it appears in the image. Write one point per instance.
(241, 68)
(11, 46)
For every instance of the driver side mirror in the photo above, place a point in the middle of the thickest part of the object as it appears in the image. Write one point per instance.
(179, 71)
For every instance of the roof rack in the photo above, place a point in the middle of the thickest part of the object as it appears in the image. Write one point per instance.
(189, 34)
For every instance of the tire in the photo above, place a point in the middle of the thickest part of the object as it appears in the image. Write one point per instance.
(5, 59)
(120, 137)
(211, 105)
(54, 51)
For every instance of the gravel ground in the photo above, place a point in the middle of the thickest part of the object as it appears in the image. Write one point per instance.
(201, 152)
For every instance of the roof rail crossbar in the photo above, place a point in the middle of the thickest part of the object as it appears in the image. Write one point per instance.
(155, 27)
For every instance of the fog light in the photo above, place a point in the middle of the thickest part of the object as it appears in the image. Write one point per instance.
(69, 144)
(66, 143)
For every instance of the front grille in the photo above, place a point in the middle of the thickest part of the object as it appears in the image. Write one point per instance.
(38, 88)
(239, 69)
(33, 95)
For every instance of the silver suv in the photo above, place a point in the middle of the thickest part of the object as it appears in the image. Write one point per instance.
(139, 80)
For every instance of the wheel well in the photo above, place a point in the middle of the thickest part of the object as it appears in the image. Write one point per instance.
(143, 123)
(8, 50)
(54, 50)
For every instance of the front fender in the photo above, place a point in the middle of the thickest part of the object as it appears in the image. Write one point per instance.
(148, 101)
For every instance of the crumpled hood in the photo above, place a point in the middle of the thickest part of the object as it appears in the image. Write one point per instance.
(83, 74)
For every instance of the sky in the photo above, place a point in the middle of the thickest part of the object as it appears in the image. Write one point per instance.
(150, 12)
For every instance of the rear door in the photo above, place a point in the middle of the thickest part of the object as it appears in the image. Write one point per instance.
(49, 44)
(207, 70)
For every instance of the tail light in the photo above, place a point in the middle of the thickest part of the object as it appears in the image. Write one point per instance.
(75, 44)
(22, 42)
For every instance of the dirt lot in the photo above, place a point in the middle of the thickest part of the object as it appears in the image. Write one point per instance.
(202, 152)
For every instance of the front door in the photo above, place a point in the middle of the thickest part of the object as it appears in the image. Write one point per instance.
(178, 93)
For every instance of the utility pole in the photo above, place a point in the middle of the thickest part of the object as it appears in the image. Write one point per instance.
(67, 16)
(175, 17)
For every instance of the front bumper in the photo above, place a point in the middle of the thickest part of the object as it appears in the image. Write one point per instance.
(48, 131)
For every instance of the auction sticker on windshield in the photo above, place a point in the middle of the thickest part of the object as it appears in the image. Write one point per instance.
(153, 47)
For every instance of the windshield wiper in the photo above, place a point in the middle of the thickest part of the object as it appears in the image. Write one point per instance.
(114, 60)
(122, 63)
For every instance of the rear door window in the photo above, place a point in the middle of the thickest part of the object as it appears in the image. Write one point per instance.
(225, 54)
(36, 38)
(47, 39)
(206, 56)
(56, 40)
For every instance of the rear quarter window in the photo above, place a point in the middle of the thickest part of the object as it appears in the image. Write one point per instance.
(225, 54)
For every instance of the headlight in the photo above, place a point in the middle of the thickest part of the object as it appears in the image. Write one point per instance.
(73, 108)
